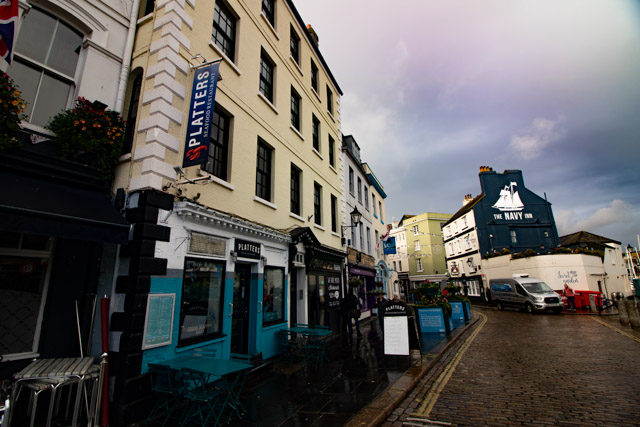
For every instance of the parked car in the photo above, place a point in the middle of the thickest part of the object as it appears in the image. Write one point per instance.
(526, 293)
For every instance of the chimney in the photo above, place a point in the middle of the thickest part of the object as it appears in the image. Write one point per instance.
(313, 34)
(486, 169)
(467, 199)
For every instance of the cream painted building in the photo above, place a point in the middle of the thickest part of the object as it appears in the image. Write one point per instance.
(248, 242)
(399, 262)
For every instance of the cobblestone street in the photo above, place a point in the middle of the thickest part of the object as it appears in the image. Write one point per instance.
(512, 368)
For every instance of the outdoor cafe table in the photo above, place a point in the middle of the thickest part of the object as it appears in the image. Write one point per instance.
(313, 349)
(216, 368)
(56, 373)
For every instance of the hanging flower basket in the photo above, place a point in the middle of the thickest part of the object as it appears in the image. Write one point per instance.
(90, 134)
(11, 108)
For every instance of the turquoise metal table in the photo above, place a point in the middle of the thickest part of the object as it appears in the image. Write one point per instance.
(310, 342)
(228, 374)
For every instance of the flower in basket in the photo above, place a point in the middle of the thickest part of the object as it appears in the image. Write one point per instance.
(89, 128)
(436, 301)
(12, 107)
(355, 282)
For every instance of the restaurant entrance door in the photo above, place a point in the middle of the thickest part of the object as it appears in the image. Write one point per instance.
(241, 304)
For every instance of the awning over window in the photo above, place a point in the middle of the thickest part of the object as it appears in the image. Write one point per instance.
(33, 205)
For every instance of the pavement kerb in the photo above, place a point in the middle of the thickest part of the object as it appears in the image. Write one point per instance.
(381, 407)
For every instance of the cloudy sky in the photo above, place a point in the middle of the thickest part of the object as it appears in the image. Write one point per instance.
(435, 89)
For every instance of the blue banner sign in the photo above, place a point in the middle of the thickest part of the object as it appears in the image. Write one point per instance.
(389, 246)
(203, 96)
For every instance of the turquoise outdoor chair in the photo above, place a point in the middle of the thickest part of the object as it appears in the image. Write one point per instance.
(206, 403)
(167, 387)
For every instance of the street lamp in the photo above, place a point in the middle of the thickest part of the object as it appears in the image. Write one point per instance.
(355, 220)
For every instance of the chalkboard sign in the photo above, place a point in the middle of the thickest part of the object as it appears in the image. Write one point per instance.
(158, 322)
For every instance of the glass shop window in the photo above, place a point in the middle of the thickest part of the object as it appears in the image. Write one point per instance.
(273, 295)
(202, 295)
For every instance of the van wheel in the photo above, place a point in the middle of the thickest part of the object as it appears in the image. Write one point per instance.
(499, 305)
(529, 308)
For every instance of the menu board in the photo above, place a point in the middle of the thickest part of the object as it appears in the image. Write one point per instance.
(158, 322)
(396, 336)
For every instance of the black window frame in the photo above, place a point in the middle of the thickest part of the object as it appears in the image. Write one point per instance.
(264, 169)
(269, 11)
(267, 70)
(314, 76)
(317, 203)
(332, 151)
(296, 103)
(224, 29)
(218, 155)
(351, 183)
(294, 45)
(132, 114)
(295, 195)
(329, 101)
(334, 213)
(315, 131)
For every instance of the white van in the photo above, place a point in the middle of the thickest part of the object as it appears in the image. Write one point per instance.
(523, 292)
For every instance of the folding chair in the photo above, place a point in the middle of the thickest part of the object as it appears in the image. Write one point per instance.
(314, 348)
(206, 402)
(167, 387)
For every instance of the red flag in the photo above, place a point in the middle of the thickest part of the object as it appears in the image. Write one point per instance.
(8, 27)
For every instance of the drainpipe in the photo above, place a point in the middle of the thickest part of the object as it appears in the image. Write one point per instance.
(126, 58)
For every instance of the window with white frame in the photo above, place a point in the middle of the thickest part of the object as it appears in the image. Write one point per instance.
(368, 240)
(44, 65)
(361, 237)
(366, 198)
(373, 204)
(25, 261)
(359, 190)
(415, 230)
(416, 245)
(473, 288)
(419, 264)
(514, 237)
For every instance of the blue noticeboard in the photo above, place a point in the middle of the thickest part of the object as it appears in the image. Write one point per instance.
(457, 308)
(431, 320)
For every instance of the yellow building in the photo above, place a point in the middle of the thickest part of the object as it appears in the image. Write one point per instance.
(249, 241)
(425, 248)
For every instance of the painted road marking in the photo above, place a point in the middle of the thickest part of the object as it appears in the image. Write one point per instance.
(439, 384)
(620, 331)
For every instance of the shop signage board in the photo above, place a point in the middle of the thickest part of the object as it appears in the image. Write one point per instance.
(158, 322)
(247, 249)
(333, 292)
(200, 116)
(396, 328)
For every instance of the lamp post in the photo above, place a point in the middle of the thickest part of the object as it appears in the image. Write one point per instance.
(355, 220)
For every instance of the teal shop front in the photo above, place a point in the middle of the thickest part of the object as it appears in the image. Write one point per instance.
(225, 290)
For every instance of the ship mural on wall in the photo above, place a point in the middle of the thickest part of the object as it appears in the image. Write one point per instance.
(509, 199)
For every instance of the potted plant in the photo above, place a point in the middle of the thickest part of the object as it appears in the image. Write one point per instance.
(428, 288)
(12, 107)
(89, 133)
